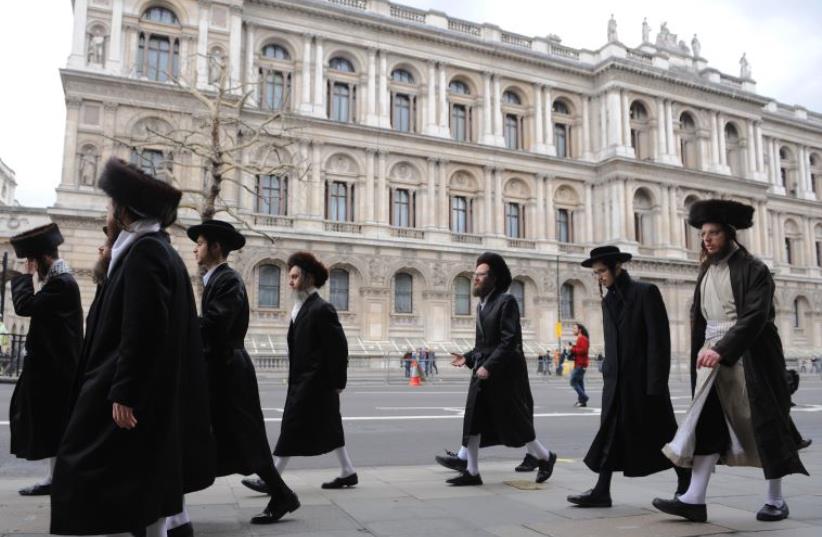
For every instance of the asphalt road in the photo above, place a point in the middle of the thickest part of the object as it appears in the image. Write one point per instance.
(394, 424)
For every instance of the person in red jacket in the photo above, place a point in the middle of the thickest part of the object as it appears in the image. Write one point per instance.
(579, 353)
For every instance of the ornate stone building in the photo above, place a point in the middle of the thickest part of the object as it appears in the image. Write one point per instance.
(425, 140)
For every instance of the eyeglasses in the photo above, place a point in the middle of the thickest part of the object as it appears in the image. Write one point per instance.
(480, 275)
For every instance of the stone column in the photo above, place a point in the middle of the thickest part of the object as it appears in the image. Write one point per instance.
(499, 205)
(305, 75)
(677, 227)
(759, 147)
(371, 89)
(114, 62)
(628, 208)
(810, 243)
(589, 213)
(614, 108)
(720, 133)
(497, 100)
(625, 119)
(431, 127)
(540, 207)
(586, 128)
(202, 45)
(715, 159)
(70, 141)
(751, 151)
(235, 45)
(538, 145)
(664, 227)
(250, 72)
(661, 138)
(779, 234)
(317, 185)
(550, 211)
(669, 131)
(603, 123)
(488, 209)
(382, 187)
(78, 43)
(369, 185)
(762, 228)
(319, 80)
(774, 158)
(443, 102)
(442, 201)
(549, 123)
(430, 198)
(382, 88)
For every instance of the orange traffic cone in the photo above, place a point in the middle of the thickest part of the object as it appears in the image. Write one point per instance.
(415, 374)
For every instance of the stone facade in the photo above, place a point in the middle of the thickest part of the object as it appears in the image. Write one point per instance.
(424, 140)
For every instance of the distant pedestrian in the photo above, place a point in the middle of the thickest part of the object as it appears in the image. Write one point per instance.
(405, 363)
(432, 361)
(579, 354)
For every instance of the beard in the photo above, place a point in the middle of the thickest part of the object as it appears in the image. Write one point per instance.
(482, 290)
(100, 270)
(722, 253)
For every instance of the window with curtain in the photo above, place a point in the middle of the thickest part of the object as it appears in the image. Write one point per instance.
(401, 116)
(517, 290)
(514, 228)
(338, 282)
(511, 131)
(272, 195)
(268, 290)
(566, 301)
(402, 208)
(564, 225)
(275, 88)
(459, 123)
(151, 161)
(340, 102)
(459, 214)
(338, 202)
(462, 296)
(403, 293)
(561, 140)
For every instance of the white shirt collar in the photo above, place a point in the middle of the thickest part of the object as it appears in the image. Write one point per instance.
(127, 237)
(302, 296)
(211, 271)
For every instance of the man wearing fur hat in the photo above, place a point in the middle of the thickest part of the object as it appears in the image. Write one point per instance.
(499, 408)
(139, 436)
(38, 411)
(236, 414)
(637, 416)
(317, 374)
(739, 413)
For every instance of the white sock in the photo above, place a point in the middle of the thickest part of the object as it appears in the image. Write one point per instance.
(536, 449)
(158, 529)
(473, 454)
(47, 480)
(280, 463)
(346, 467)
(529, 450)
(775, 493)
(703, 466)
(462, 454)
(180, 519)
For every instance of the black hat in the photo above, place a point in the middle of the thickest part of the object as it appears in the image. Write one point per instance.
(726, 212)
(499, 268)
(603, 253)
(218, 230)
(147, 196)
(37, 241)
(310, 265)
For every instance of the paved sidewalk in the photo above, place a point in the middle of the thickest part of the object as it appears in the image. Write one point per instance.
(414, 502)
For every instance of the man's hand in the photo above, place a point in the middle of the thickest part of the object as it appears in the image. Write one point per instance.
(483, 373)
(707, 358)
(31, 266)
(123, 416)
(458, 361)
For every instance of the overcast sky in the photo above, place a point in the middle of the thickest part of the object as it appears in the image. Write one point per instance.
(783, 42)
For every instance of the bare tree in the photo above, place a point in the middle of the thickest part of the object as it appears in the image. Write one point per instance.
(221, 133)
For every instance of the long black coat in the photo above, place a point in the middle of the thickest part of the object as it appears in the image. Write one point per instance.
(39, 406)
(637, 415)
(239, 427)
(317, 368)
(500, 408)
(143, 350)
(754, 339)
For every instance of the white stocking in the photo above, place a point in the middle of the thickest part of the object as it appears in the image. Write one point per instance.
(280, 463)
(775, 493)
(346, 467)
(473, 454)
(462, 454)
(536, 449)
(180, 519)
(703, 466)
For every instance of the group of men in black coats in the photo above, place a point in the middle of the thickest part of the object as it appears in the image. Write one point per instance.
(155, 401)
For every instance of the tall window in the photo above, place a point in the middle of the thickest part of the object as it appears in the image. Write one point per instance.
(639, 228)
(340, 201)
(462, 296)
(512, 132)
(819, 253)
(403, 293)
(403, 101)
(275, 88)
(459, 122)
(564, 231)
(268, 288)
(341, 102)
(561, 114)
(517, 290)
(402, 215)
(460, 115)
(688, 141)
(272, 195)
(561, 140)
(460, 214)
(789, 251)
(732, 149)
(401, 117)
(158, 57)
(638, 117)
(566, 301)
(797, 315)
(151, 161)
(342, 91)
(514, 225)
(338, 282)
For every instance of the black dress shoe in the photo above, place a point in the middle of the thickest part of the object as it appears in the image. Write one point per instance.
(528, 464)
(275, 511)
(771, 513)
(340, 482)
(691, 511)
(186, 530)
(36, 490)
(452, 462)
(590, 499)
(580, 404)
(465, 479)
(546, 468)
(256, 484)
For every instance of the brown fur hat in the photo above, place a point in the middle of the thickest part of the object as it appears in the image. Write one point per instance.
(310, 265)
(145, 195)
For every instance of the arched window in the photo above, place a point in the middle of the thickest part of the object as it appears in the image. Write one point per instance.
(566, 301)
(151, 161)
(643, 217)
(268, 287)
(272, 195)
(793, 243)
(816, 175)
(158, 54)
(341, 64)
(688, 141)
(462, 296)
(402, 76)
(560, 107)
(161, 15)
(459, 87)
(561, 115)
(461, 111)
(517, 290)
(338, 283)
(509, 97)
(732, 150)
(640, 140)
(787, 171)
(403, 293)
(275, 52)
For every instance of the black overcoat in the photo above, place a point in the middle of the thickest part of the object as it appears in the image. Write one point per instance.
(143, 350)
(754, 339)
(39, 405)
(317, 368)
(239, 427)
(500, 408)
(637, 416)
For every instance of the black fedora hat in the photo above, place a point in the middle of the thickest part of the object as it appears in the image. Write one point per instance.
(37, 241)
(219, 230)
(726, 212)
(499, 268)
(603, 253)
